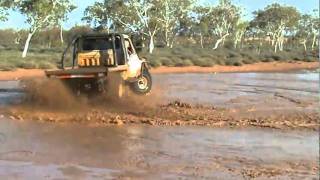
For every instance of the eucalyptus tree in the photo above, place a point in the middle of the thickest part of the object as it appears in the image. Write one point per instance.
(222, 19)
(147, 13)
(305, 30)
(106, 15)
(275, 20)
(41, 14)
(200, 22)
(171, 15)
(137, 16)
(240, 30)
(315, 29)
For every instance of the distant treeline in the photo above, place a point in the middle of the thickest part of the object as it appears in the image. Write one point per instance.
(171, 32)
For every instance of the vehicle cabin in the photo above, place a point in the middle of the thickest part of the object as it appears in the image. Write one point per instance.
(101, 50)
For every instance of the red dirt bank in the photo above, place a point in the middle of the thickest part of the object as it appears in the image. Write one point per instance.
(258, 67)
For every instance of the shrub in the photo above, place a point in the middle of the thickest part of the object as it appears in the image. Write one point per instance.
(7, 67)
(155, 63)
(267, 59)
(28, 65)
(189, 55)
(184, 63)
(233, 54)
(197, 62)
(46, 65)
(310, 59)
(229, 45)
(166, 61)
(203, 62)
(248, 61)
(220, 61)
(207, 64)
(236, 61)
(275, 57)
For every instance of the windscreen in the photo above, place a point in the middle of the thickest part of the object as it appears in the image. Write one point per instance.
(90, 44)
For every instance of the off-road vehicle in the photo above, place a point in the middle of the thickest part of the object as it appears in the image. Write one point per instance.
(103, 63)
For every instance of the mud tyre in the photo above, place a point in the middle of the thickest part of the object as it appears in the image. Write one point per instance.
(143, 84)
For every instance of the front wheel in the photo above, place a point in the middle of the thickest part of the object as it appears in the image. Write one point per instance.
(143, 84)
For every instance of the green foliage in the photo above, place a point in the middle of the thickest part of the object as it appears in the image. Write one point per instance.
(234, 61)
(4, 6)
(11, 59)
(43, 13)
(182, 25)
(183, 56)
(274, 15)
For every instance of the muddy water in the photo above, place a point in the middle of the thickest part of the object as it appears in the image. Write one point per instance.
(9, 92)
(55, 151)
(31, 150)
(220, 89)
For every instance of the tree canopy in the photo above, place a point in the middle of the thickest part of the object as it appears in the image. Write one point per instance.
(168, 23)
(41, 14)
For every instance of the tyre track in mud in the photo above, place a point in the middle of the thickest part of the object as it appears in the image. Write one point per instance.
(278, 88)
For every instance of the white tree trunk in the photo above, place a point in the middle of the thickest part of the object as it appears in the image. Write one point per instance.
(276, 47)
(201, 40)
(304, 43)
(151, 44)
(167, 38)
(61, 34)
(172, 42)
(235, 44)
(26, 46)
(314, 41)
(281, 44)
(238, 38)
(220, 40)
(143, 41)
(17, 39)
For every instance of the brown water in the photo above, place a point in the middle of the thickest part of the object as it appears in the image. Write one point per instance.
(219, 89)
(30, 150)
(33, 150)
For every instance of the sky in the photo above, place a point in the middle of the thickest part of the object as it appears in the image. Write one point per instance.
(17, 21)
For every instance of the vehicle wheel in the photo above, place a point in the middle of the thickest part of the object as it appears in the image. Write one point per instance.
(143, 84)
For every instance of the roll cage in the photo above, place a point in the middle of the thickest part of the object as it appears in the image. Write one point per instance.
(113, 36)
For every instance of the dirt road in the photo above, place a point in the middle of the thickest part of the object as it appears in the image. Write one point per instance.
(118, 144)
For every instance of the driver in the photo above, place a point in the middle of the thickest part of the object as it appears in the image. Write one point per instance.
(134, 62)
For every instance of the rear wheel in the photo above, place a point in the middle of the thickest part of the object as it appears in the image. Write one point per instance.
(143, 84)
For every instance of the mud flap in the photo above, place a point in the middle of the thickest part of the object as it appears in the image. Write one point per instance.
(116, 85)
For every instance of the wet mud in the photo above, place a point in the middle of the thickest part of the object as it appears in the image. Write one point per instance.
(268, 100)
(43, 150)
(172, 114)
(196, 126)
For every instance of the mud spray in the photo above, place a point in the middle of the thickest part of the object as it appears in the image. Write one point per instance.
(53, 94)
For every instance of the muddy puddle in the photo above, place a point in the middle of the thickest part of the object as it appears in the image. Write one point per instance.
(222, 88)
(10, 92)
(42, 150)
(36, 150)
